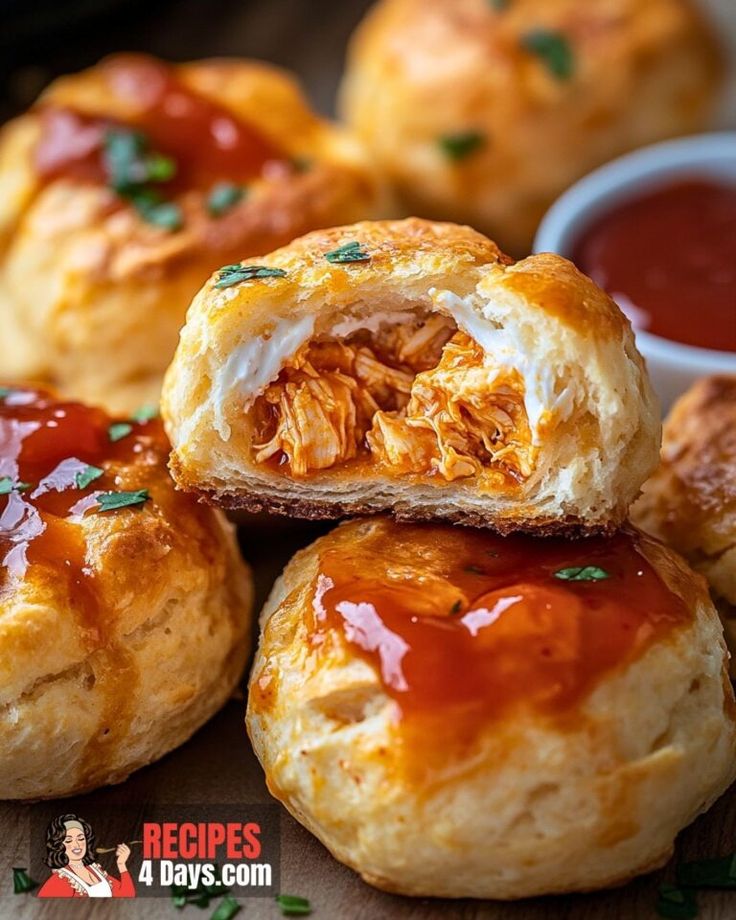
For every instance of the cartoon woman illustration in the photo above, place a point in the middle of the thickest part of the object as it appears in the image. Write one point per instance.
(70, 853)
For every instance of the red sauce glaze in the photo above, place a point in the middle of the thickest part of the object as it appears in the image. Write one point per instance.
(668, 258)
(207, 142)
(463, 625)
(44, 443)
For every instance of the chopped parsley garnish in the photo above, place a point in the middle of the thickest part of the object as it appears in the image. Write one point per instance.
(676, 903)
(223, 196)
(229, 275)
(200, 896)
(22, 882)
(84, 477)
(164, 214)
(133, 170)
(553, 49)
(123, 156)
(119, 430)
(348, 252)
(111, 501)
(145, 413)
(499, 4)
(582, 573)
(474, 569)
(457, 147)
(456, 608)
(679, 901)
(293, 906)
(160, 168)
(5, 391)
(7, 486)
(226, 909)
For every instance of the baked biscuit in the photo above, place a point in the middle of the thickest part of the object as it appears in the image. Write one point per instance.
(125, 608)
(411, 366)
(126, 185)
(690, 501)
(484, 112)
(459, 714)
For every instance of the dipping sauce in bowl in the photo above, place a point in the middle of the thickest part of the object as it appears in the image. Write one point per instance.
(668, 258)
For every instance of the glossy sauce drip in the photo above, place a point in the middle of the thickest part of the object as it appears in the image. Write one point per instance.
(668, 258)
(463, 626)
(207, 142)
(44, 444)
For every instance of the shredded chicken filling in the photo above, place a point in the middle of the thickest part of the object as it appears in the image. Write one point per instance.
(418, 398)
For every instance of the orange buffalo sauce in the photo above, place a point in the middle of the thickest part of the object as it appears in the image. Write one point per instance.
(462, 626)
(207, 142)
(44, 445)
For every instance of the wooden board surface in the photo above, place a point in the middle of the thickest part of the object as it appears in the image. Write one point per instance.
(217, 765)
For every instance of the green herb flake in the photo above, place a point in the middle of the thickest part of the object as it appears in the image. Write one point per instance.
(474, 570)
(226, 909)
(676, 903)
(119, 430)
(7, 486)
(182, 895)
(708, 873)
(553, 49)
(84, 477)
(160, 168)
(293, 906)
(22, 882)
(130, 164)
(5, 392)
(230, 275)
(458, 147)
(133, 172)
(223, 197)
(145, 413)
(179, 900)
(123, 159)
(164, 214)
(499, 5)
(456, 608)
(348, 252)
(582, 573)
(111, 501)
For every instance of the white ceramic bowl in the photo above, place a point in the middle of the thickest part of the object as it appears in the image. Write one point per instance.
(672, 365)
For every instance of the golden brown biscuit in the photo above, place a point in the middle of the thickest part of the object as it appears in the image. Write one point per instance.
(127, 185)
(458, 714)
(411, 367)
(125, 608)
(690, 501)
(484, 112)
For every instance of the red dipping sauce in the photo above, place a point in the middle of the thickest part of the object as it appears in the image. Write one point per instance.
(668, 258)
(207, 142)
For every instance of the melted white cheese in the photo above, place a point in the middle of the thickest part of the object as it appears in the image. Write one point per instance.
(252, 365)
(504, 352)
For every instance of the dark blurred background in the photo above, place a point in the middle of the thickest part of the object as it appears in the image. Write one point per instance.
(41, 39)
